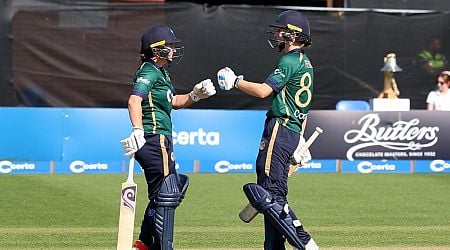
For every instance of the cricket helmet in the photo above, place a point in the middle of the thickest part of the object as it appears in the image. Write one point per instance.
(155, 41)
(290, 25)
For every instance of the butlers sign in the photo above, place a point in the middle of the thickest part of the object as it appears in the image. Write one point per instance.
(408, 135)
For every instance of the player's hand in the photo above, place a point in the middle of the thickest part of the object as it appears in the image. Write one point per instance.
(202, 90)
(134, 142)
(227, 79)
(301, 154)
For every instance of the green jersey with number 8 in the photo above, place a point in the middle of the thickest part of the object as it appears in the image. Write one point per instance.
(292, 82)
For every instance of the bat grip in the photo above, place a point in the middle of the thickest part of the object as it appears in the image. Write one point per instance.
(311, 139)
(131, 168)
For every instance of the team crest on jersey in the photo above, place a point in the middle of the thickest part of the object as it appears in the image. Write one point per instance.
(308, 64)
(262, 145)
(143, 80)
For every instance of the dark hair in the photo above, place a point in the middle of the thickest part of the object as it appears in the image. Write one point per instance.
(146, 54)
(305, 39)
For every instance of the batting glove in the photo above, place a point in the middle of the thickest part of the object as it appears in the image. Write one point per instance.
(227, 79)
(202, 90)
(134, 142)
(301, 154)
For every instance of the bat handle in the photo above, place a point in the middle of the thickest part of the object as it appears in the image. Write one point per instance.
(313, 137)
(131, 168)
(308, 143)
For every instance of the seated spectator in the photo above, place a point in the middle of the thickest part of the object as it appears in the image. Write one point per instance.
(439, 99)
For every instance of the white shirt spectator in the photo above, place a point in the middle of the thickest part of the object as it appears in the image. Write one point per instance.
(439, 100)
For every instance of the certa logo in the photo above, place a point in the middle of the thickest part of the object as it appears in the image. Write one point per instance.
(7, 167)
(400, 136)
(366, 167)
(439, 165)
(225, 166)
(78, 167)
(199, 137)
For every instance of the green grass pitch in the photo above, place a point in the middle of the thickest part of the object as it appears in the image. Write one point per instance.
(341, 211)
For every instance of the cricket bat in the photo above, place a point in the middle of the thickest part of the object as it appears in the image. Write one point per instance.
(127, 210)
(249, 212)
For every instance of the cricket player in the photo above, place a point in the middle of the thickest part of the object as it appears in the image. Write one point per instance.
(150, 104)
(291, 88)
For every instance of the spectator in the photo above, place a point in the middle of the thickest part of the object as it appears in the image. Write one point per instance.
(430, 61)
(439, 99)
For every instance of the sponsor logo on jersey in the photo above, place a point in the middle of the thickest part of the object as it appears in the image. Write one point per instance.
(279, 72)
(300, 115)
(169, 95)
(143, 80)
(78, 167)
(7, 167)
(199, 137)
(226, 166)
(398, 136)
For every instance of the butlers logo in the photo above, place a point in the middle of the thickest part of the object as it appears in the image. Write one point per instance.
(400, 136)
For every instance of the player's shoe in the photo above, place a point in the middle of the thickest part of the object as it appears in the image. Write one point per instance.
(138, 245)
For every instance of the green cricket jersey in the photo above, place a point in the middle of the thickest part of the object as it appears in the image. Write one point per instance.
(292, 82)
(154, 86)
